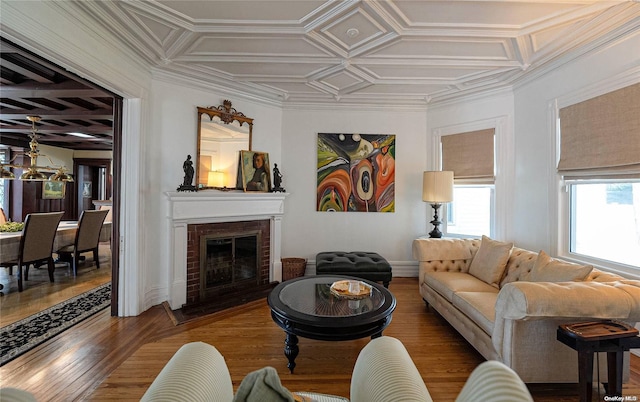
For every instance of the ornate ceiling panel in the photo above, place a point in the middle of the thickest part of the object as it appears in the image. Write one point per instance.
(377, 52)
(406, 53)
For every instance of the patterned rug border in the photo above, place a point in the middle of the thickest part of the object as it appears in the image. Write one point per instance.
(23, 335)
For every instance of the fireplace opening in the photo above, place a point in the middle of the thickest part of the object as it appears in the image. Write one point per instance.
(229, 262)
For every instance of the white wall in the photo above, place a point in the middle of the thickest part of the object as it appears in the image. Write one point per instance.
(54, 156)
(160, 130)
(172, 136)
(535, 216)
(307, 232)
(529, 209)
(93, 154)
(491, 111)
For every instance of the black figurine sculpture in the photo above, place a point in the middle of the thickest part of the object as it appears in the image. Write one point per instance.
(187, 185)
(277, 180)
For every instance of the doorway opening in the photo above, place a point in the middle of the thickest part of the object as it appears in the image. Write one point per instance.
(78, 117)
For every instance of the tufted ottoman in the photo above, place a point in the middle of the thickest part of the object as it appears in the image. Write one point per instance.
(360, 264)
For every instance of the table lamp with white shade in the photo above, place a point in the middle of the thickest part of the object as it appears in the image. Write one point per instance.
(215, 179)
(437, 189)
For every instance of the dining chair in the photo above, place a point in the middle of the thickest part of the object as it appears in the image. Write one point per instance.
(109, 215)
(36, 244)
(87, 238)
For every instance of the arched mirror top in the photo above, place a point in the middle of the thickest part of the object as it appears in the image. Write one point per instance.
(222, 133)
(227, 114)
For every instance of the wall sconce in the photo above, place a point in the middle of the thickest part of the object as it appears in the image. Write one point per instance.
(437, 188)
(33, 172)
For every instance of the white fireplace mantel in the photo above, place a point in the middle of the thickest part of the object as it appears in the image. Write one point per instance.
(210, 206)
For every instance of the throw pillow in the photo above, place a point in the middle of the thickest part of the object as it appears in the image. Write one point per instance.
(262, 385)
(547, 269)
(490, 261)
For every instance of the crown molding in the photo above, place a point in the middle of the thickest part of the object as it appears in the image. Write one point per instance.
(178, 78)
(630, 27)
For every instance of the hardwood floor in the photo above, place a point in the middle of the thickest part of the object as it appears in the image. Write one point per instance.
(39, 293)
(108, 358)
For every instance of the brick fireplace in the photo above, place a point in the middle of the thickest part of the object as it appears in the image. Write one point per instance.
(216, 249)
(220, 212)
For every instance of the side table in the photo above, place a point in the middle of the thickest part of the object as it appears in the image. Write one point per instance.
(612, 337)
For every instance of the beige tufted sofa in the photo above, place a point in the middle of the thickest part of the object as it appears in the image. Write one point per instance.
(516, 322)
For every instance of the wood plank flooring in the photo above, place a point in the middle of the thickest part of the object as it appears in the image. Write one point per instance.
(39, 293)
(108, 358)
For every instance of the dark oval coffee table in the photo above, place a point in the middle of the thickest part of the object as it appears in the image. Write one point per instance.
(306, 307)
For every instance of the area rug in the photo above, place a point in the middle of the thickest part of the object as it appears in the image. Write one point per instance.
(23, 335)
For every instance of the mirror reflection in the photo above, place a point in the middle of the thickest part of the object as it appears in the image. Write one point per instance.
(222, 133)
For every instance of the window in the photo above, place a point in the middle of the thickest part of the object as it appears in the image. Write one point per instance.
(599, 164)
(471, 157)
(605, 221)
(471, 212)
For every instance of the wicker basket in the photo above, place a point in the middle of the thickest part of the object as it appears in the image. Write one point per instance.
(293, 268)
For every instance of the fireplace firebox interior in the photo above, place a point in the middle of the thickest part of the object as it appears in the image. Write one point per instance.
(227, 260)
(230, 261)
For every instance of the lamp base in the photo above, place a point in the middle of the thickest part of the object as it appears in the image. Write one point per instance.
(435, 233)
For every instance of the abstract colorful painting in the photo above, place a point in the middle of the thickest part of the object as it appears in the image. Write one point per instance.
(356, 172)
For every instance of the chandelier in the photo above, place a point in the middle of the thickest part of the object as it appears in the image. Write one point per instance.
(33, 172)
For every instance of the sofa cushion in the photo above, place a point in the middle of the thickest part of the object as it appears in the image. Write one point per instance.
(547, 269)
(448, 283)
(490, 261)
(601, 276)
(479, 306)
(564, 300)
(520, 263)
(430, 249)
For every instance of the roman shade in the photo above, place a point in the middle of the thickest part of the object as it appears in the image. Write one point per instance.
(470, 156)
(600, 137)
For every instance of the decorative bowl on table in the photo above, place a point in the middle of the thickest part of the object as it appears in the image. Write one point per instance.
(351, 289)
(11, 226)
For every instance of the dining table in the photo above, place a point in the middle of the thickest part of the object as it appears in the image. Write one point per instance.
(65, 235)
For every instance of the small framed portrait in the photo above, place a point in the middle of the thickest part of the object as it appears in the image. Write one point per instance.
(86, 189)
(256, 175)
(53, 190)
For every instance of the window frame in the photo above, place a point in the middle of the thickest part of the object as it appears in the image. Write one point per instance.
(504, 169)
(559, 191)
(568, 242)
(492, 212)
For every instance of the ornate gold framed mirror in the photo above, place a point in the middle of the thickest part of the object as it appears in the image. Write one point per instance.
(222, 133)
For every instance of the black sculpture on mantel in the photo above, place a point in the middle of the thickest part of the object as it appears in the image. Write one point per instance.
(187, 185)
(277, 180)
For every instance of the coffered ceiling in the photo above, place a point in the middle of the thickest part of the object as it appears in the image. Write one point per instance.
(403, 53)
(366, 52)
(74, 114)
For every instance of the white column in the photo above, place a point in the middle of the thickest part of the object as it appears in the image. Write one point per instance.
(178, 270)
(275, 273)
